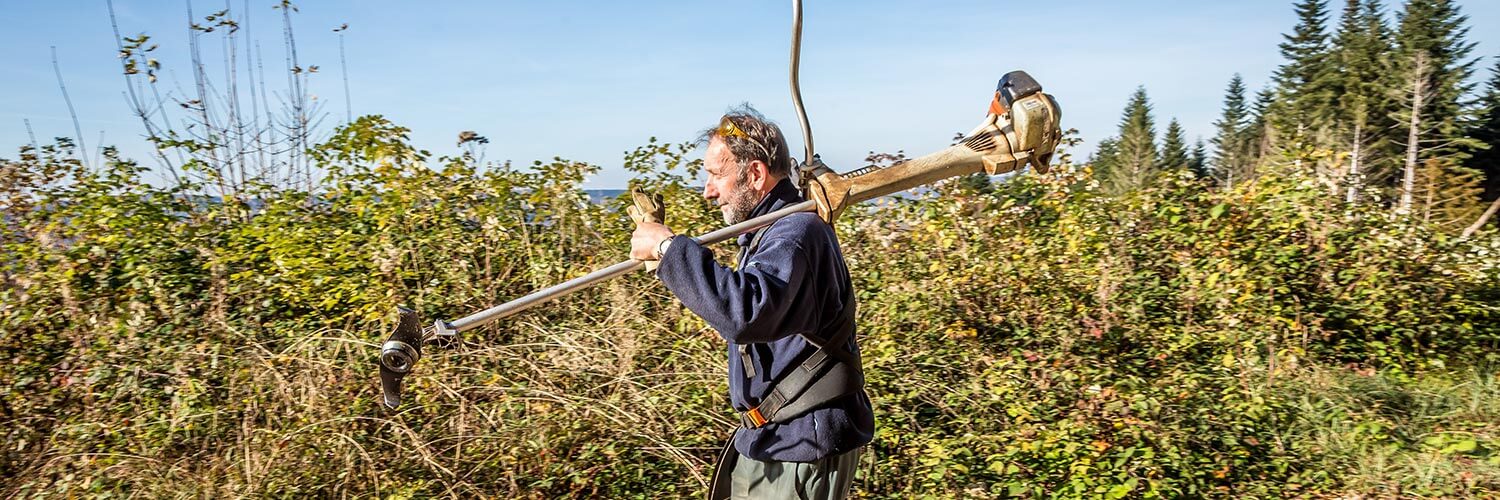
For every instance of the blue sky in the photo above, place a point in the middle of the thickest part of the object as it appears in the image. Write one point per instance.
(590, 80)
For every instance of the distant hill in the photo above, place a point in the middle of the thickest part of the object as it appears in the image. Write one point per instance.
(601, 195)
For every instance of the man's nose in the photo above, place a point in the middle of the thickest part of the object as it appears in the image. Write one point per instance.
(709, 191)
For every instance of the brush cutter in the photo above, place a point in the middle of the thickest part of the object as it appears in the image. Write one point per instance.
(1021, 128)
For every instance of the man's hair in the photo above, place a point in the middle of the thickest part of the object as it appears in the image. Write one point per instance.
(762, 141)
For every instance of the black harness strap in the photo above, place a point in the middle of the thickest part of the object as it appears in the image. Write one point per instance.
(744, 257)
(811, 383)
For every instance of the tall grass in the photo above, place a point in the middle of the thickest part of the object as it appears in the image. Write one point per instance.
(1031, 339)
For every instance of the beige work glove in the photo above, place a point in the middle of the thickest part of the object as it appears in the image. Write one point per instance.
(647, 208)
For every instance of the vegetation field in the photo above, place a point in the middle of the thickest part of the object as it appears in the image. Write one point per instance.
(1033, 338)
(1307, 306)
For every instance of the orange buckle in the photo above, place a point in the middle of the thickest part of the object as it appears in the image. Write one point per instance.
(755, 417)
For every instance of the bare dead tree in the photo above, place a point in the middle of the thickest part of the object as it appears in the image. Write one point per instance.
(260, 68)
(298, 99)
(29, 133)
(135, 61)
(236, 122)
(82, 153)
(99, 149)
(210, 136)
(231, 135)
(1488, 213)
(1413, 132)
(254, 141)
(344, 69)
(1356, 158)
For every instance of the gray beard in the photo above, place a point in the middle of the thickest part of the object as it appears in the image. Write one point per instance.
(739, 207)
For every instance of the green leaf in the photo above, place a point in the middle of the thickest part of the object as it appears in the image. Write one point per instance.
(1463, 446)
(1120, 490)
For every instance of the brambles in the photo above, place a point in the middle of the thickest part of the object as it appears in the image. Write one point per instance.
(1034, 338)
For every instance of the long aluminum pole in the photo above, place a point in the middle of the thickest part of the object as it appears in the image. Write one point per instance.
(545, 295)
(796, 88)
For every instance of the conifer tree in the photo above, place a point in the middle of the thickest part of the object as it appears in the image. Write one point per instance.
(1198, 161)
(1303, 90)
(1447, 196)
(1228, 165)
(1486, 131)
(1436, 30)
(1420, 93)
(1260, 135)
(1104, 157)
(1363, 114)
(1432, 60)
(1135, 158)
(1174, 151)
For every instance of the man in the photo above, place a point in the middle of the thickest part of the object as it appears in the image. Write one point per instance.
(790, 293)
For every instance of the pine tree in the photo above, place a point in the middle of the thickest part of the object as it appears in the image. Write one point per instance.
(1260, 135)
(1419, 91)
(1303, 90)
(1362, 117)
(1436, 29)
(1486, 131)
(1198, 161)
(1104, 157)
(1135, 158)
(1174, 152)
(1228, 166)
(1447, 196)
(1432, 61)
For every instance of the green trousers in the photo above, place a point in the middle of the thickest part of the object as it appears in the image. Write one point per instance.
(828, 478)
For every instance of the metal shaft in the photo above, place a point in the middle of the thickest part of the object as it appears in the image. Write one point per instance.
(545, 295)
(796, 88)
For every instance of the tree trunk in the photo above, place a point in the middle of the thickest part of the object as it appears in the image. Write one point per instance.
(1419, 86)
(1354, 163)
(1490, 212)
(1429, 186)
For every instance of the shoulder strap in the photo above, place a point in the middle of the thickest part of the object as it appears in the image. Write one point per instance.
(804, 389)
(811, 383)
(746, 250)
(744, 256)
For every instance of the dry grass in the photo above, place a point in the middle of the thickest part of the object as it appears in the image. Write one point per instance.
(484, 419)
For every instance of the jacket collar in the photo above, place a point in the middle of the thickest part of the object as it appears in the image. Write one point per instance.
(783, 194)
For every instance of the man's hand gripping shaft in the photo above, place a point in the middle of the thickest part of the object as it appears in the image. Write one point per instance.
(650, 217)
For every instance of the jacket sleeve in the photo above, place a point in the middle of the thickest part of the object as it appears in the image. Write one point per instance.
(749, 305)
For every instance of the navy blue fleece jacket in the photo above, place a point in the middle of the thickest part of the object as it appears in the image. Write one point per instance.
(794, 282)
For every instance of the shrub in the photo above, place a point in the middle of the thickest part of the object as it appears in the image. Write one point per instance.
(1029, 338)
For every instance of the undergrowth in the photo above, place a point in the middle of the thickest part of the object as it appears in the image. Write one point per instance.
(1035, 338)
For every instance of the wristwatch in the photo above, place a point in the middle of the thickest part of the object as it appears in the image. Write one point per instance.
(661, 248)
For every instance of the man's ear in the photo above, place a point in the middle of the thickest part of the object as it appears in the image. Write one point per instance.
(760, 176)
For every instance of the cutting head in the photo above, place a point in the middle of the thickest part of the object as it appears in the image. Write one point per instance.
(399, 354)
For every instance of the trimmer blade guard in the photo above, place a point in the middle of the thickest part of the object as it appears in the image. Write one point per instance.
(399, 354)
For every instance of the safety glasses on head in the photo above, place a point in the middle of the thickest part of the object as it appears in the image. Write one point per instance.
(727, 128)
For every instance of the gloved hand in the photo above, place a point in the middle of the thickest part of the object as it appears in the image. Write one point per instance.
(647, 208)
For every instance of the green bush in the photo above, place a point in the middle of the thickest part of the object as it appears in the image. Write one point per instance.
(1030, 338)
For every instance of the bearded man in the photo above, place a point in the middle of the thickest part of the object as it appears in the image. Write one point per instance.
(787, 312)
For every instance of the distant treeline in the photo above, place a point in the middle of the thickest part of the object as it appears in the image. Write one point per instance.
(1376, 111)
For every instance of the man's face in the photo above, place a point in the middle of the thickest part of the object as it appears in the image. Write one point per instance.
(725, 186)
